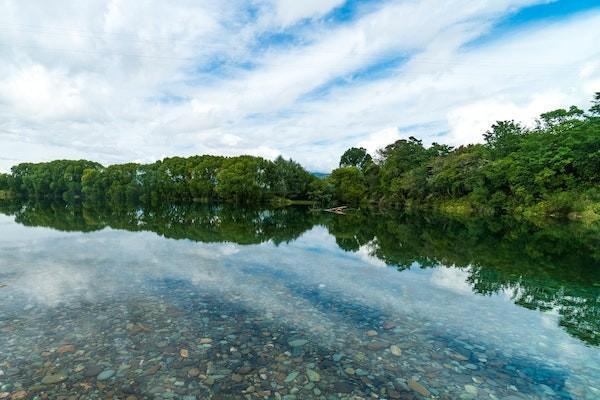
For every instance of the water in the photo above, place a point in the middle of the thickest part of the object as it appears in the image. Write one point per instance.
(204, 302)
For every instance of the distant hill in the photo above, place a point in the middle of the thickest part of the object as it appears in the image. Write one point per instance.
(320, 175)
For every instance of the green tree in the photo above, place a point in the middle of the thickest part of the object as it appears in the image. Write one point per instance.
(350, 185)
(356, 157)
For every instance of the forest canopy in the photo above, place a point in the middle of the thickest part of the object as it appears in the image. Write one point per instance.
(552, 168)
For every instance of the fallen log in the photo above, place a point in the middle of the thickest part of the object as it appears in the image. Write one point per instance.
(336, 210)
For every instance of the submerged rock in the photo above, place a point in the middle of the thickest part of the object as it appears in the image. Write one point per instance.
(395, 350)
(313, 376)
(104, 375)
(297, 342)
(66, 348)
(57, 377)
(417, 387)
(291, 376)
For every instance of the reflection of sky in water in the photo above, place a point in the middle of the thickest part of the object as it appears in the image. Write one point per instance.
(45, 268)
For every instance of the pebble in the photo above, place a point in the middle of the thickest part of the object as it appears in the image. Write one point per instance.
(371, 333)
(20, 395)
(395, 350)
(313, 376)
(417, 387)
(292, 376)
(388, 326)
(54, 378)
(66, 348)
(297, 343)
(105, 375)
(92, 370)
(471, 390)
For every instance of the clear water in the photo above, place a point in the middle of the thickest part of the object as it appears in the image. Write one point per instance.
(219, 303)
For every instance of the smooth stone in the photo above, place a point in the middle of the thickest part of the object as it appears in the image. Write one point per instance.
(104, 375)
(337, 357)
(291, 377)
(92, 370)
(52, 379)
(388, 325)
(313, 376)
(297, 342)
(20, 395)
(371, 333)
(471, 390)
(209, 380)
(417, 387)
(245, 370)
(350, 371)
(342, 387)
(66, 348)
(376, 346)
(397, 351)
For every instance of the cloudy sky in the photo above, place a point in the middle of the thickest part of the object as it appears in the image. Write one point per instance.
(126, 80)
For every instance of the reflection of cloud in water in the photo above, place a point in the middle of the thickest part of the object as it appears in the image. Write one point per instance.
(453, 279)
(366, 251)
(71, 267)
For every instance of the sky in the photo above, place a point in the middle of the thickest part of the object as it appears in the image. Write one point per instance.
(121, 81)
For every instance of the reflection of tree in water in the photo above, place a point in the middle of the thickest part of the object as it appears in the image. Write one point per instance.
(202, 223)
(554, 267)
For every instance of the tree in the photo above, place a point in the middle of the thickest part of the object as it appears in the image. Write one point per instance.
(350, 185)
(595, 108)
(288, 179)
(242, 180)
(504, 137)
(356, 157)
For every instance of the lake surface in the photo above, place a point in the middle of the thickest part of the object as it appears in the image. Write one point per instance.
(208, 302)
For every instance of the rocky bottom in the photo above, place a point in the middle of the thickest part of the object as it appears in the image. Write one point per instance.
(174, 342)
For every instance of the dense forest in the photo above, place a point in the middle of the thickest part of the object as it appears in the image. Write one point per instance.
(550, 169)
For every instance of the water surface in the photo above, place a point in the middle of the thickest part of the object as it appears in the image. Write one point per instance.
(197, 302)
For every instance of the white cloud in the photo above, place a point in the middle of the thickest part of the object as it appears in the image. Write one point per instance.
(118, 81)
(468, 122)
(291, 11)
(38, 93)
(379, 139)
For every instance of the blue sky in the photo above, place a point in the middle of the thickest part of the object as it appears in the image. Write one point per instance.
(118, 81)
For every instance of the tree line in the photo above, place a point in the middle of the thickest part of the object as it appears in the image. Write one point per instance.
(550, 169)
(243, 179)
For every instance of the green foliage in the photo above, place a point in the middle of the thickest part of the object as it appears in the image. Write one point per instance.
(59, 179)
(288, 179)
(356, 157)
(548, 170)
(595, 109)
(551, 169)
(350, 185)
(504, 138)
(5, 182)
(239, 179)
